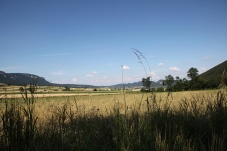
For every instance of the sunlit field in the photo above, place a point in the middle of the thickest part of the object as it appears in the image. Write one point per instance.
(53, 119)
(101, 101)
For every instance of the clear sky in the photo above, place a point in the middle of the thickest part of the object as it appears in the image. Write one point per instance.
(87, 41)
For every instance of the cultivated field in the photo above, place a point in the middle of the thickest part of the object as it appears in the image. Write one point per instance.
(101, 100)
(46, 91)
(53, 119)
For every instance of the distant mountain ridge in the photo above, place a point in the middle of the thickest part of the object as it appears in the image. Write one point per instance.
(22, 79)
(137, 84)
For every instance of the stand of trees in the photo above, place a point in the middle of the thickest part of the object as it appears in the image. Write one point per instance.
(194, 82)
(147, 84)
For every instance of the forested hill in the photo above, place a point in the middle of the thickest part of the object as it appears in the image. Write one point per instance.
(22, 79)
(215, 72)
(216, 76)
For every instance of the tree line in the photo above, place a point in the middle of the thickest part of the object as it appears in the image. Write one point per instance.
(194, 82)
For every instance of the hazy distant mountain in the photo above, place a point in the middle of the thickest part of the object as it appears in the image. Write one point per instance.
(22, 79)
(137, 84)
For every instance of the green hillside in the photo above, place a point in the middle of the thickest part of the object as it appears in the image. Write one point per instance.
(214, 75)
(215, 71)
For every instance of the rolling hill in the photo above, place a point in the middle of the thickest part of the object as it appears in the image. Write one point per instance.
(137, 84)
(214, 76)
(22, 79)
(215, 72)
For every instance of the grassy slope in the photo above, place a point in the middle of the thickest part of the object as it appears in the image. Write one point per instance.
(215, 72)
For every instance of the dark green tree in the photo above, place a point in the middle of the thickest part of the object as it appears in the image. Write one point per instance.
(169, 82)
(147, 83)
(178, 85)
(192, 73)
(185, 84)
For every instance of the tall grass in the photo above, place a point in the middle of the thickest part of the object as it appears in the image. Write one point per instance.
(18, 122)
(198, 123)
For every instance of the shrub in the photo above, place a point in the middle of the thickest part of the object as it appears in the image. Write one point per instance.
(160, 89)
(66, 88)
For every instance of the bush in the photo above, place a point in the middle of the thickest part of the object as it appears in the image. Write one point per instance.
(144, 90)
(160, 89)
(66, 88)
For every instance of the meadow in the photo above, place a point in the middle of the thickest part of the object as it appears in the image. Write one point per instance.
(113, 120)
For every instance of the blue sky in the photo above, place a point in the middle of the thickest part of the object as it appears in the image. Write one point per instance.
(86, 42)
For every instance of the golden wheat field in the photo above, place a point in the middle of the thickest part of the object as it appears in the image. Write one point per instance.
(124, 116)
(104, 103)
